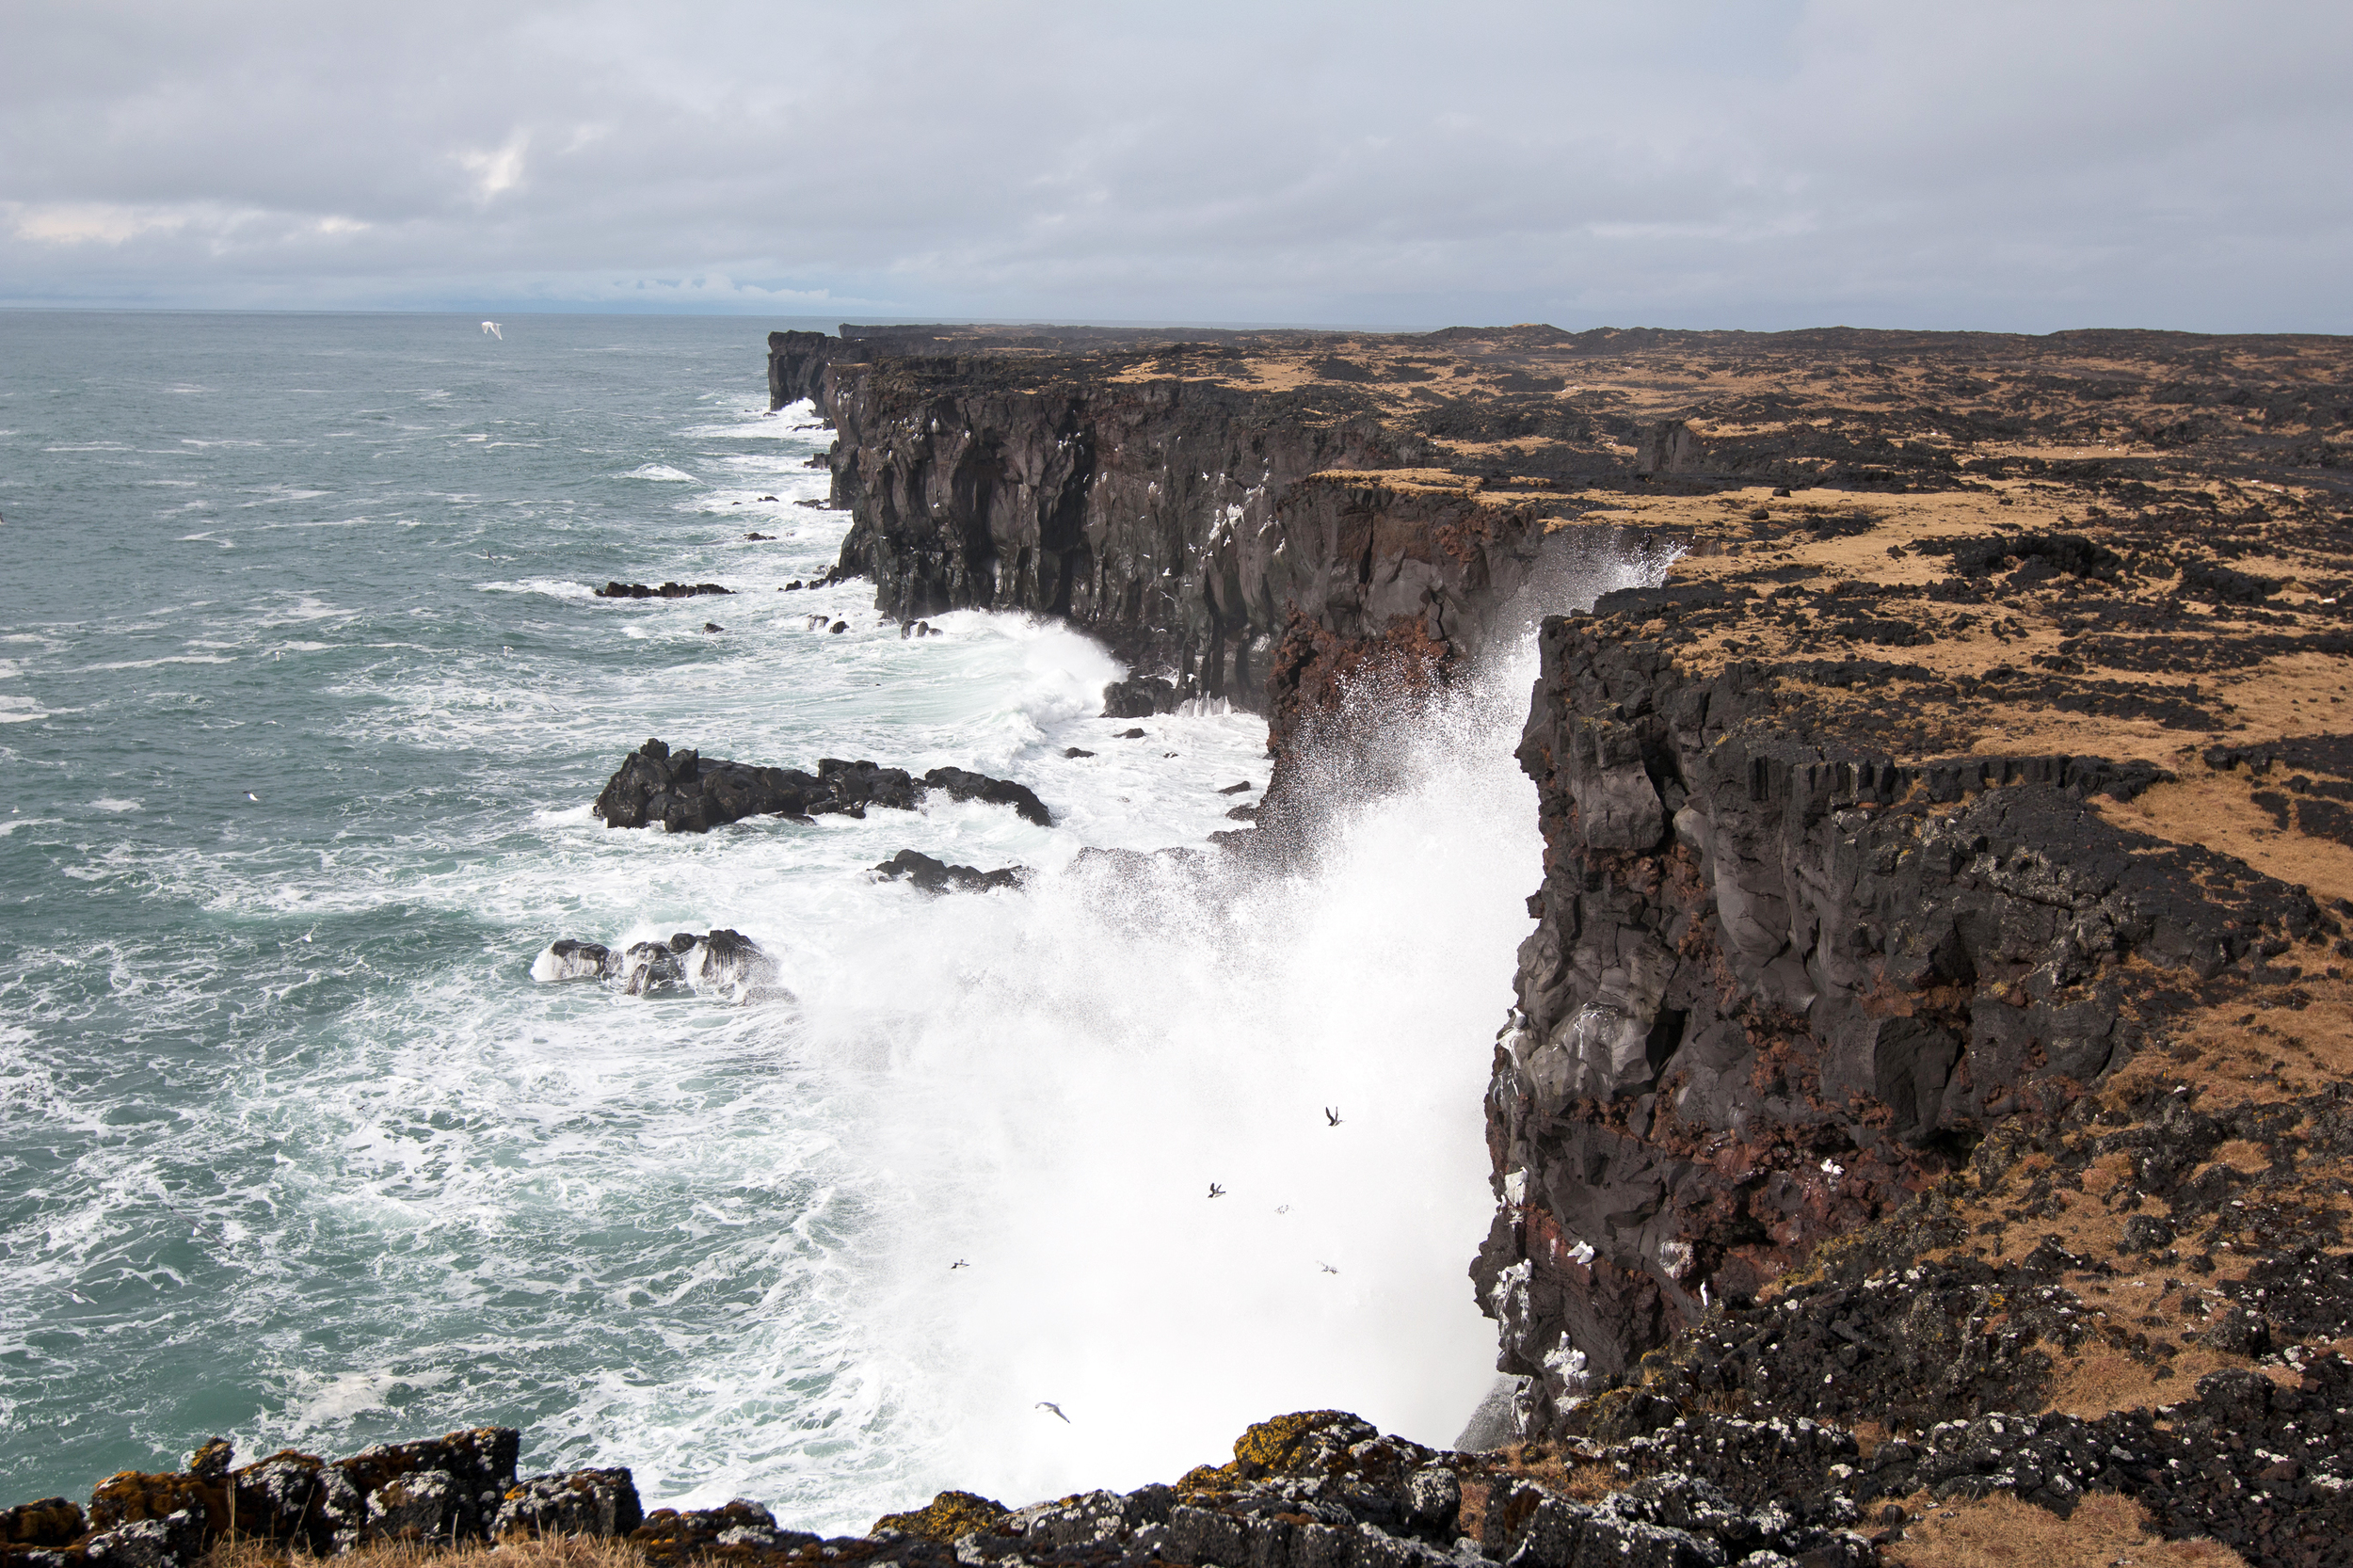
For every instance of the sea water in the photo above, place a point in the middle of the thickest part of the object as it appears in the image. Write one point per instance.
(304, 697)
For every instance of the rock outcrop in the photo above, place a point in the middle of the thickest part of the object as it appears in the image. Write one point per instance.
(723, 960)
(931, 875)
(686, 792)
(458, 1488)
(667, 590)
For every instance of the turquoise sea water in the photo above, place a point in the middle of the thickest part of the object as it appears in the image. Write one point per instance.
(303, 700)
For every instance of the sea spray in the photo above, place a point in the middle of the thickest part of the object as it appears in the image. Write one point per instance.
(293, 1147)
(1180, 1142)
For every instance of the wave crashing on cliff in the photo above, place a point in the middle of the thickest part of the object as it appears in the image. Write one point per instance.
(1060, 1079)
(302, 1154)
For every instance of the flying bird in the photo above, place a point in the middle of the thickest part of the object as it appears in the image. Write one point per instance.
(492, 328)
(959, 1263)
(1049, 1404)
(1331, 1115)
(1327, 1267)
(1215, 1191)
(254, 798)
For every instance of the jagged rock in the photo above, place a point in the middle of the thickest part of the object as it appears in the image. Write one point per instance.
(718, 960)
(688, 794)
(670, 1536)
(174, 1541)
(959, 784)
(935, 876)
(1139, 698)
(421, 1506)
(667, 590)
(1735, 959)
(569, 1503)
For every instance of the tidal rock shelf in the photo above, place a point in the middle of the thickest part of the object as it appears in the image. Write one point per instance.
(686, 792)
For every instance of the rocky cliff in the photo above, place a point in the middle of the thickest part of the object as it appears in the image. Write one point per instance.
(1935, 1013)
(1883, 829)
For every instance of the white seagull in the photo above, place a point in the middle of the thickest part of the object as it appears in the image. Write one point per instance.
(492, 328)
(254, 798)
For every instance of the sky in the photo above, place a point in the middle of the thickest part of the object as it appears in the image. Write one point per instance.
(1763, 164)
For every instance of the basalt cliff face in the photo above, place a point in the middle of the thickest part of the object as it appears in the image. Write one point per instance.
(1936, 1012)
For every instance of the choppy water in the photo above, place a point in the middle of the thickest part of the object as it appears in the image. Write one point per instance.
(293, 1148)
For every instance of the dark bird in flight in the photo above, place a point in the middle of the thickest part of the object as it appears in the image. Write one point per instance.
(1327, 1267)
(1049, 1404)
(959, 1263)
(1331, 1115)
(1215, 1191)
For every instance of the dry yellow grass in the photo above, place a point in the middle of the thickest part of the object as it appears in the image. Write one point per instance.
(2217, 812)
(550, 1552)
(2275, 1042)
(2003, 1532)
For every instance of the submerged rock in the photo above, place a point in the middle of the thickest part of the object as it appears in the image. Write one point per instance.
(722, 960)
(937, 876)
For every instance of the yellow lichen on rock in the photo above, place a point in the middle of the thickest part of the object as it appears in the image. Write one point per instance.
(945, 1517)
(1269, 1446)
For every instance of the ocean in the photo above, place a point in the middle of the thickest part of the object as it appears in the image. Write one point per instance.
(304, 699)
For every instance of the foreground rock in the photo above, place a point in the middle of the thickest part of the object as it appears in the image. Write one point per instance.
(458, 1488)
(688, 794)
(1314, 1489)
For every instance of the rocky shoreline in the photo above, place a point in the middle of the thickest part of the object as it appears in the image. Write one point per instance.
(1926, 1086)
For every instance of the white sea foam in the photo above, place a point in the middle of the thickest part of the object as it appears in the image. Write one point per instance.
(661, 472)
(326, 1135)
(165, 658)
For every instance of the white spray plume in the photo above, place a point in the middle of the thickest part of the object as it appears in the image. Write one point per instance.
(1057, 1078)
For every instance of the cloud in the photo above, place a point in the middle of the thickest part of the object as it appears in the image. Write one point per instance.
(1784, 163)
(498, 172)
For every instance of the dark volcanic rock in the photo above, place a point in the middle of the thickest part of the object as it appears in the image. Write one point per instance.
(667, 590)
(936, 876)
(1700, 1079)
(1139, 698)
(688, 794)
(959, 784)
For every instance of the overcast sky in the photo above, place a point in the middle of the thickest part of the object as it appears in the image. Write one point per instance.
(2022, 166)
